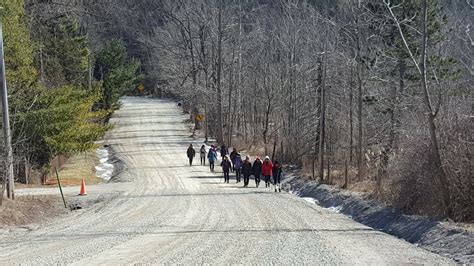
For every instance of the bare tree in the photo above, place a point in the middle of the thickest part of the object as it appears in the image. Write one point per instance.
(431, 110)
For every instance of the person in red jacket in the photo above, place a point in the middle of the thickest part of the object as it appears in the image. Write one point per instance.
(267, 170)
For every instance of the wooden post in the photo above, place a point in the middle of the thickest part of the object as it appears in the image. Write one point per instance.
(60, 188)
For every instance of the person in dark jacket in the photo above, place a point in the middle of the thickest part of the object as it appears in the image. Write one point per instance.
(226, 168)
(277, 176)
(237, 165)
(246, 170)
(224, 151)
(257, 170)
(212, 157)
(233, 155)
(191, 153)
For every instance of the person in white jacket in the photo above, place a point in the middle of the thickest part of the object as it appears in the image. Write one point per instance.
(203, 153)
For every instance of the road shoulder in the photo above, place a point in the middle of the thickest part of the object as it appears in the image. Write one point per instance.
(444, 238)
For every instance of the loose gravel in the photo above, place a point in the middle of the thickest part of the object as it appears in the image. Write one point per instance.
(173, 213)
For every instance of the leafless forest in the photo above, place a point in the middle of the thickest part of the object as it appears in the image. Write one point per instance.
(375, 94)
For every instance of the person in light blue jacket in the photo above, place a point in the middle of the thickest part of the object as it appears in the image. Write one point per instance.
(212, 157)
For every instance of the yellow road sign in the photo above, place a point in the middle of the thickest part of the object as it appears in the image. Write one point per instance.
(141, 88)
(200, 118)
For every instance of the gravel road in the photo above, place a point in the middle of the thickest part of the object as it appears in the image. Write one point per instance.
(173, 213)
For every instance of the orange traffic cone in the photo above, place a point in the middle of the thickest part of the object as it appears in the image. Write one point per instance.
(83, 188)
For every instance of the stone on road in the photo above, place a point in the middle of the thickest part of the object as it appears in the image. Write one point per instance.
(174, 213)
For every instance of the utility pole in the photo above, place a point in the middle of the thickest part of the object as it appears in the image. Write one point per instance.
(220, 135)
(6, 120)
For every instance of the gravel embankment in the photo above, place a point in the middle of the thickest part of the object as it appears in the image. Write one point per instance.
(444, 238)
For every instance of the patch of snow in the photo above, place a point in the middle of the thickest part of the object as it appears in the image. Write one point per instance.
(310, 200)
(104, 170)
(336, 209)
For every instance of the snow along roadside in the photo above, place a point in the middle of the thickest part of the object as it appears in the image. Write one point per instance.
(443, 238)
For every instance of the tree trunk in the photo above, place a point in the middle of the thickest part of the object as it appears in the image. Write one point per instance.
(329, 153)
(431, 118)
(421, 67)
(282, 158)
(323, 114)
(351, 119)
(274, 150)
(398, 95)
(27, 170)
(89, 76)
(206, 124)
(41, 65)
(319, 82)
(229, 113)
(345, 174)
(359, 113)
(220, 137)
(267, 121)
(239, 86)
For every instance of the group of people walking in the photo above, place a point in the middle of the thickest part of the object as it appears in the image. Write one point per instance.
(243, 168)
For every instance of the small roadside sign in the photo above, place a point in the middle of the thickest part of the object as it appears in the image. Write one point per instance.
(141, 88)
(200, 118)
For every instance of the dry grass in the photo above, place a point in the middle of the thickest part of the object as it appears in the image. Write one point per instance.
(34, 209)
(30, 209)
(78, 166)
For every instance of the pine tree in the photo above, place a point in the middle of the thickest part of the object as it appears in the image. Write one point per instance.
(63, 124)
(418, 24)
(62, 54)
(20, 71)
(118, 73)
(56, 120)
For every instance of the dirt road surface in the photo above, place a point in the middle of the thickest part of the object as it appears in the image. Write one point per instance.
(173, 213)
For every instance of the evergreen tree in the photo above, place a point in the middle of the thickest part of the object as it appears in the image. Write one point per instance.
(410, 13)
(419, 32)
(20, 71)
(63, 124)
(118, 73)
(62, 54)
(48, 121)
